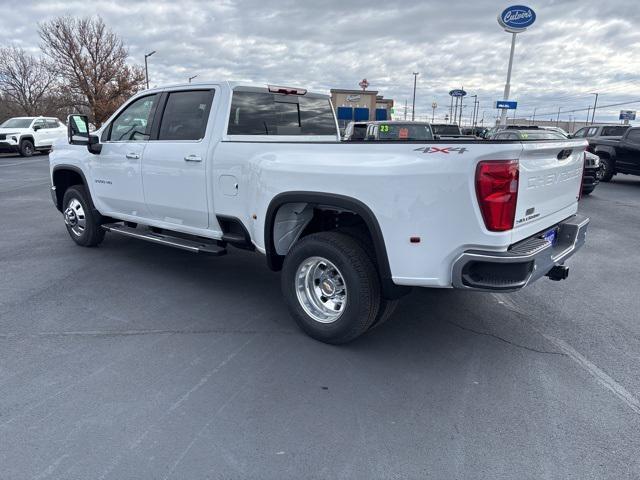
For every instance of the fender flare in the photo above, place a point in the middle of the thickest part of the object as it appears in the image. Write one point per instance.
(274, 261)
(73, 169)
(609, 150)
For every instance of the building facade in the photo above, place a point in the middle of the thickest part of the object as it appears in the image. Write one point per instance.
(360, 106)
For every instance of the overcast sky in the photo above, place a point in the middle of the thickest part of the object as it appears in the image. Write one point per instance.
(573, 49)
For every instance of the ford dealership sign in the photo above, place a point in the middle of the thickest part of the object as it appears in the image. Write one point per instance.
(516, 18)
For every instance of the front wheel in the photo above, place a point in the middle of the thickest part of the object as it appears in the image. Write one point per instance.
(26, 148)
(82, 222)
(331, 287)
(607, 169)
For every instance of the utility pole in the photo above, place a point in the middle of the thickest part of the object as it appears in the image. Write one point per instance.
(534, 116)
(146, 67)
(434, 105)
(558, 117)
(473, 112)
(595, 104)
(588, 115)
(507, 86)
(405, 108)
(413, 106)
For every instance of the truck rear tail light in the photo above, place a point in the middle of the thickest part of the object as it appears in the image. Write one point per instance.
(287, 90)
(497, 191)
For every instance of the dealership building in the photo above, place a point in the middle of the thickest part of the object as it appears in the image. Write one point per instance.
(360, 106)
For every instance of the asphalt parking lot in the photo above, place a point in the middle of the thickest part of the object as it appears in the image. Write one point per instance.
(132, 360)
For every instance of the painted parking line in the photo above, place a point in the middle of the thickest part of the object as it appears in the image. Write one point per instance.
(591, 368)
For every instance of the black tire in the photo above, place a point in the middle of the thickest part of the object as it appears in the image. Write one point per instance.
(360, 278)
(92, 233)
(387, 307)
(587, 190)
(608, 170)
(26, 148)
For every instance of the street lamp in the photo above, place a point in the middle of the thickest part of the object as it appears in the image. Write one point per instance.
(146, 68)
(413, 107)
(191, 78)
(434, 105)
(595, 104)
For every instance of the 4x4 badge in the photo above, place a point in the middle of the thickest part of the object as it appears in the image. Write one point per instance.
(440, 149)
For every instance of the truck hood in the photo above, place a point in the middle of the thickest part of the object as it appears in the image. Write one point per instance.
(15, 130)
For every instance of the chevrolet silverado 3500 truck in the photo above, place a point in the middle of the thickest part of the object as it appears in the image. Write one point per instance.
(351, 225)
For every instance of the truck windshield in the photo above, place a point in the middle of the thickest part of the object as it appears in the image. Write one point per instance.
(264, 113)
(17, 123)
(404, 131)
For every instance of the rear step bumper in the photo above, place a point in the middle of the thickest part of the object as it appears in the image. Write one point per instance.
(163, 239)
(524, 262)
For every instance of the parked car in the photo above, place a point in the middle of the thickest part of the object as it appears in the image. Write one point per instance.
(399, 130)
(592, 173)
(27, 135)
(601, 131)
(528, 134)
(618, 154)
(351, 225)
(446, 129)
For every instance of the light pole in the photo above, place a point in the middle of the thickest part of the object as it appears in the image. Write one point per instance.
(473, 112)
(558, 117)
(191, 78)
(595, 104)
(413, 106)
(146, 67)
(434, 105)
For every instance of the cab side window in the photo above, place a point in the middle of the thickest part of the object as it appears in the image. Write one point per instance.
(134, 122)
(39, 125)
(185, 115)
(580, 133)
(52, 124)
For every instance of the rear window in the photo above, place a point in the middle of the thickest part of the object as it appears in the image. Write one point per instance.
(445, 129)
(263, 113)
(614, 131)
(407, 131)
(541, 135)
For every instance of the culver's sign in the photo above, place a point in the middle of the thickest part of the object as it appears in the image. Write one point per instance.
(516, 18)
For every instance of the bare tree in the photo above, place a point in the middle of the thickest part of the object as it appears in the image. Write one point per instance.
(25, 80)
(91, 62)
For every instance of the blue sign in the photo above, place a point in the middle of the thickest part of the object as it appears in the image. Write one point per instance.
(458, 92)
(627, 115)
(506, 104)
(516, 18)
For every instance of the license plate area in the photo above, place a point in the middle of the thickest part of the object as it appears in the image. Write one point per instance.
(551, 236)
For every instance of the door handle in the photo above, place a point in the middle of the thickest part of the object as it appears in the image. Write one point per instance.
(132, 156)
(193, 158)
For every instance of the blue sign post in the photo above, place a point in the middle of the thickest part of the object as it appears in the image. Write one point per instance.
(627, 115)
(506, 104)
(514, 19)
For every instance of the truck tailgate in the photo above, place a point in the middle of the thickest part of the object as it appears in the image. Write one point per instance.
(550, 179)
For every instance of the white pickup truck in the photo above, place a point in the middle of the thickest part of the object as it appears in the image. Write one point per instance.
(27, 135)
(352, 225)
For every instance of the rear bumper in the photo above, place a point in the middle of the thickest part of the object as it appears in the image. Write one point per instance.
(524, 262)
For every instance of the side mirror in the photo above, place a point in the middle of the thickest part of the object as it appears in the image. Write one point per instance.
(78, 129)
(36, 128)
(94, 145)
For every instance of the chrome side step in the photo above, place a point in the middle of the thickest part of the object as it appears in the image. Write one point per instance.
(164, 239)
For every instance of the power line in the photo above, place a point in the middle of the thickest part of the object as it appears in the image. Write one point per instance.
(585, 109)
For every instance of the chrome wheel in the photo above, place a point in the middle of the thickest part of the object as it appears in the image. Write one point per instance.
(321, 289)
(75, 218)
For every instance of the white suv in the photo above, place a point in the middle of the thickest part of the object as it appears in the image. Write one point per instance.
(26, 135)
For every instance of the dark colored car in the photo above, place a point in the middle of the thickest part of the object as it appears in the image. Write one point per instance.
(398, 130)
(592, 172)
(618, 154)
(601, 131)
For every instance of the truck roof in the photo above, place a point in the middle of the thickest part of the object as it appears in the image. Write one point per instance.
(229, 83)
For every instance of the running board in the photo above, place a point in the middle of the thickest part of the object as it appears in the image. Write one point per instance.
(163, 239)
